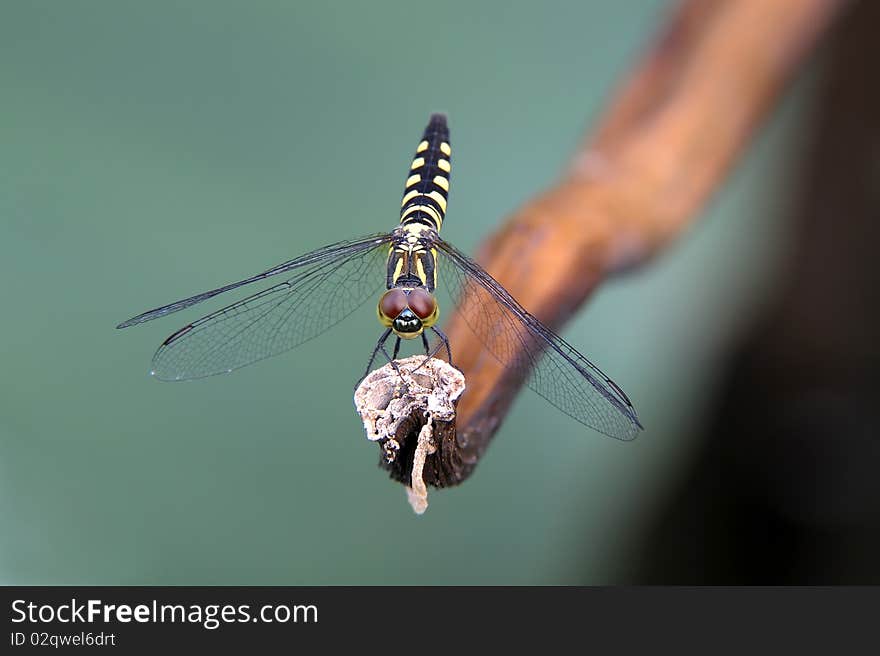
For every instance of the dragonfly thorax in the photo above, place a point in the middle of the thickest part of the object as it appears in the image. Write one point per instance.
(408, 310)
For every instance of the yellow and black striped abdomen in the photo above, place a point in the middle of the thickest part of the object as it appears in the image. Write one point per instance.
(427, 187)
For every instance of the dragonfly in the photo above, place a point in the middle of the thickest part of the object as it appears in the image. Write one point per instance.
(322, 288)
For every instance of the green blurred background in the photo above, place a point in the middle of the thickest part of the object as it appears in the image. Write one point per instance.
(154, 150)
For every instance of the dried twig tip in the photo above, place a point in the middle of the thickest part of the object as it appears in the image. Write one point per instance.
(409, 409)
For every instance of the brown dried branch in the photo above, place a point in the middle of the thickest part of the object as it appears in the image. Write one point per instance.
(663, 147)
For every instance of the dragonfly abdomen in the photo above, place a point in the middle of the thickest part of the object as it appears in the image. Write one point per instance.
(427, 187)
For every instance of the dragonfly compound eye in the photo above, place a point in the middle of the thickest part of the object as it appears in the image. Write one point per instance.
(423, 304)
(392, 303)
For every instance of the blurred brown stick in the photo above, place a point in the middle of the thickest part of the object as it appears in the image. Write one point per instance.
(664, 145)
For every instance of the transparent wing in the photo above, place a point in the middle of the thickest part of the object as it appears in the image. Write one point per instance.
(327, 286)
(334, 251)
(551, 366)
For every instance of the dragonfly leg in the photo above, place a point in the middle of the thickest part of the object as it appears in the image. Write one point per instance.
(444, 341)
(380, 346)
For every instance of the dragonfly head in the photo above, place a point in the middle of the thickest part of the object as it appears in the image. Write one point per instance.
(408, 311)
